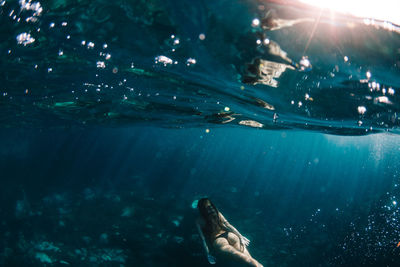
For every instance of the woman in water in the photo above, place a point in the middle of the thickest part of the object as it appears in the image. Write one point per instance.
(218, 234)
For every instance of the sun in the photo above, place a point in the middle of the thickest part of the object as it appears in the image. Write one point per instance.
(386, 10)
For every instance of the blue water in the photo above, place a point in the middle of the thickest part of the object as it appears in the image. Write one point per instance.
(116, 116)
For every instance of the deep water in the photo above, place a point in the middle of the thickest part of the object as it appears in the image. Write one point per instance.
(116, 116)
(123, 196)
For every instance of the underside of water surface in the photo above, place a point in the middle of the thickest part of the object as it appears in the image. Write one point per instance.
(260, 64)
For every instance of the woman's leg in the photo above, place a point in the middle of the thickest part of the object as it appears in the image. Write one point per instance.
(235, 242)
(225, 248)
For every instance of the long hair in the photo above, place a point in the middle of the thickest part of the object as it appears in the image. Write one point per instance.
(210, 215)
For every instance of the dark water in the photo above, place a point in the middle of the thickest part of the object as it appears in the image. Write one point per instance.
(117, 115)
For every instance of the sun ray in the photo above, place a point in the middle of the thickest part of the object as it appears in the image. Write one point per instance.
(385, 10)
(312, 33)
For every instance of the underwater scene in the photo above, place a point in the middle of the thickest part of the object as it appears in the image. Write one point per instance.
(197, 133)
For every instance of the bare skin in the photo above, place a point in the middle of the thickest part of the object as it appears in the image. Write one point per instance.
(232, 248)
(232, 245)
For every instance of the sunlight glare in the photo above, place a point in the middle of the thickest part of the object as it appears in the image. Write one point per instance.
(386, 10)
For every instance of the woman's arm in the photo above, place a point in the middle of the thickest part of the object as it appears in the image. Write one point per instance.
(202, 237)
(210, 258)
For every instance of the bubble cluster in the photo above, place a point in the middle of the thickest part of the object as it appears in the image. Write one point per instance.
(163, 60)
(25, 39)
